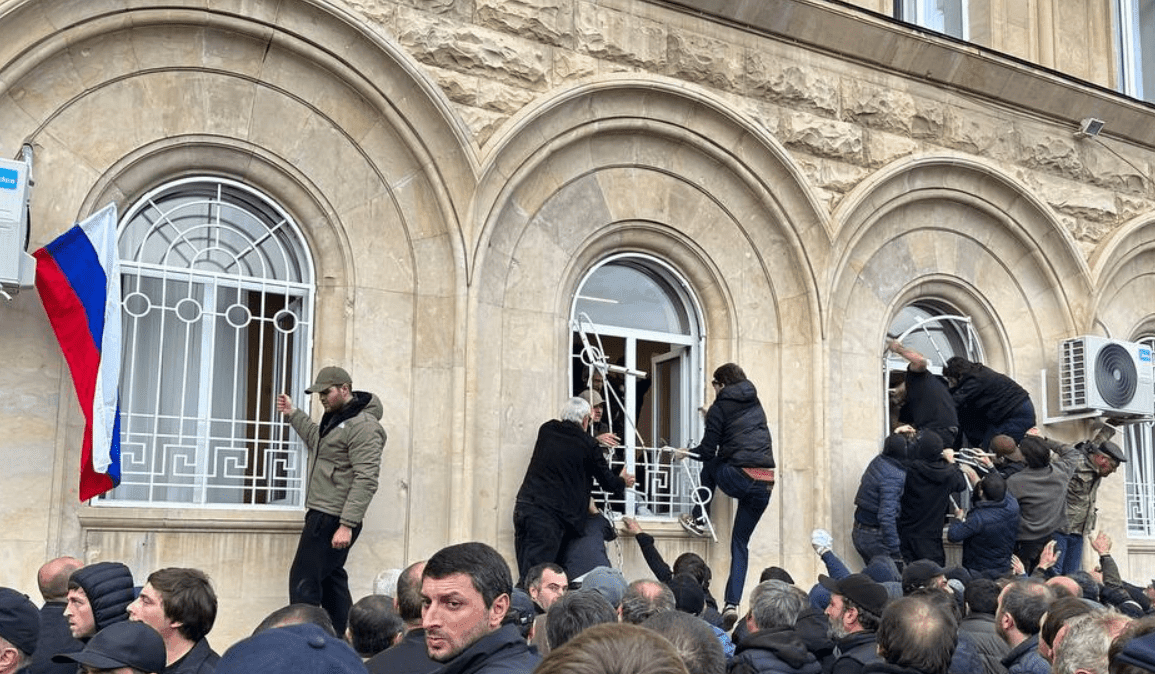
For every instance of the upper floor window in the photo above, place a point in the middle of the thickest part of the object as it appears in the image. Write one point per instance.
(217, 289)
(634, 312)
(945, 16)
(1136, 39)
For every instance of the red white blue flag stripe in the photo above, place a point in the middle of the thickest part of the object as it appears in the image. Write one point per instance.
(78, 277)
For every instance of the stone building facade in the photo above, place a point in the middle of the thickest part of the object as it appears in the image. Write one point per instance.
(802, 170)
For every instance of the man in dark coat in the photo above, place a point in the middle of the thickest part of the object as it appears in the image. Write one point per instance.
(466, 591)
(181, 606)
(878, 501)
(409, 656)
(982, 600)
(98, 596)
(931, 477)
(989, 403)
(54, 634)
(926, 402)
(988, 532)
(855, 609)
(773, 646)
(738, 457)
(553, 502)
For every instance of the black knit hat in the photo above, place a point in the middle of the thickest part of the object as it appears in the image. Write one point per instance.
(109, 589)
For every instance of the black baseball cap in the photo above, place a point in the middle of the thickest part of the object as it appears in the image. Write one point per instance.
(860, 589)
(19, 620)
(123, 644)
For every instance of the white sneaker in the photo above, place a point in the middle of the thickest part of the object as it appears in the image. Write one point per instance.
(694, 525)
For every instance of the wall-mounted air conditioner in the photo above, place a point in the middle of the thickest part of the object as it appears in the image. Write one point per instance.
(1109, 375)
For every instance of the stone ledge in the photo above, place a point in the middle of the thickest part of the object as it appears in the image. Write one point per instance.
(128, 518)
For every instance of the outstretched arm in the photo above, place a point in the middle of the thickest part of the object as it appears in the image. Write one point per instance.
(917, 360)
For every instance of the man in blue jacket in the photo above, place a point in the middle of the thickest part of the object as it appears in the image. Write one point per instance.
(988, 532)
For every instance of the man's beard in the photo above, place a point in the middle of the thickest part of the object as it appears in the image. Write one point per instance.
(837, 631)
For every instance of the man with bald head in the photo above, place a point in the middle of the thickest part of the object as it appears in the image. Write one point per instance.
(55, 636)
(410, 655)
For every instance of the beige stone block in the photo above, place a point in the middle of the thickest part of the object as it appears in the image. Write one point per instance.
(103, 59)
(380, 246)
(605, 33)
(64, 176)
(46, 87)
(278, 121)
(775, 79)
(836, 176)
(475, 50)
(483, 123)
(699, 58)
(534, 269)
(548, 21)
(381, 12)
(823, 137)
(1078, 199)
(570, 66)
(1043, 150)
(335, 166)
(169, 45)
(878, 106)
(228, 106)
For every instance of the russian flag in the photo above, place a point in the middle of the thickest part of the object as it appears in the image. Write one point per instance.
(78, 277)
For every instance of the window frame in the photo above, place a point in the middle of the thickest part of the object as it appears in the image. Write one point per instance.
(1139, 472)
(266, 440)
(902, 10)
(1128, 44)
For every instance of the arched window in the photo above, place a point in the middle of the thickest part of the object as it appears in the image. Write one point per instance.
(635, 312)
(935, 330)
(1139, 443)
(217, 290)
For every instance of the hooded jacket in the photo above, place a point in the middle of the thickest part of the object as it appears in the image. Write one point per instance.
(736, 429)
(344, 456)
(108, 586)
(878, 498)
(778, 650)
(930, 481)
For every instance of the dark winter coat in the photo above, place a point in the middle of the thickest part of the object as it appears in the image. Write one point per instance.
(879, 496)
(855, 651)
(773, 651)
(989, 646)
(503, 651)
(408, 657)
(736, 429)
(201, 659)
(1025, 658)
(987, 394)
(108, 586)
(559, 476)
(926, 495)
(988, 535)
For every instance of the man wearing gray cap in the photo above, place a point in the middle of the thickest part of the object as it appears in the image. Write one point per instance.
(19, 630)
(1099, 458)
(344, 461)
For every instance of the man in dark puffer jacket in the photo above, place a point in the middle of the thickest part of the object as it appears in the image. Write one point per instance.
(988, 533)
(98, 596)
(876, 509)
(773, 646)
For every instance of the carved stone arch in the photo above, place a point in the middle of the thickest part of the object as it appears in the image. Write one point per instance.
(955, 230)
(1123, 267)
(659, 170)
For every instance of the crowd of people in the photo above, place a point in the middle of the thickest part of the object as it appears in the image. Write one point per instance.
(1019, 602)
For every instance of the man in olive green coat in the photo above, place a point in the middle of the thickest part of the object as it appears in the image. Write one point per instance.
(344, 461)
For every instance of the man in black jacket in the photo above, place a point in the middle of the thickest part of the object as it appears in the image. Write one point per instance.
(181, 606)
(773, 646)
(553, 502)
(465, 589)
(856, 606)
(931, 477)
(409, 656)
(54, 634)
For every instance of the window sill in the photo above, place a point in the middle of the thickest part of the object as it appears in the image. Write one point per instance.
(96, 518)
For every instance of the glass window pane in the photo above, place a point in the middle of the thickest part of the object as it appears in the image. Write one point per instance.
(627, 296)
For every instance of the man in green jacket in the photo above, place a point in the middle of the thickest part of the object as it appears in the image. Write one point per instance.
(344, 461)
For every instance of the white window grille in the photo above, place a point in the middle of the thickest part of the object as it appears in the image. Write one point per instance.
(949, 17)
(636, 312)
(1136, 45)
(1139, 443)
(217, 291)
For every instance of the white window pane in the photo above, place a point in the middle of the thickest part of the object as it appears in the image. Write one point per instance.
(628, 297)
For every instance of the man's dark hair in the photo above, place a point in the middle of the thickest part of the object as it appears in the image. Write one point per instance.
(533, 576)
(729, 374)
(1059, 612)
(918, 634)
(993, 486)
(409, 593)
(188, 598)
(867, 620)
(1036, 452)
(957, 366)
(693, 564)
(982, 596)
(1087, 584)
(694, 640)
(297, 614)
(574, 612)
(373, 625)
(776, 573)
(1026, 601)
(644, 598)
(1138, 628)
(486, 568)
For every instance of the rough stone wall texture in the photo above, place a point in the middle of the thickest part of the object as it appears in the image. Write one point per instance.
(840, 121)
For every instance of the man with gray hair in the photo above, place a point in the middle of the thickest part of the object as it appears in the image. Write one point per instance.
(1083, 649)
(645, 598)
(773, 646)
(553, 501)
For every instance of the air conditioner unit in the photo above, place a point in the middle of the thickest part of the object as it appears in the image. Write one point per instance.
(17, 268)
(1109, 375)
